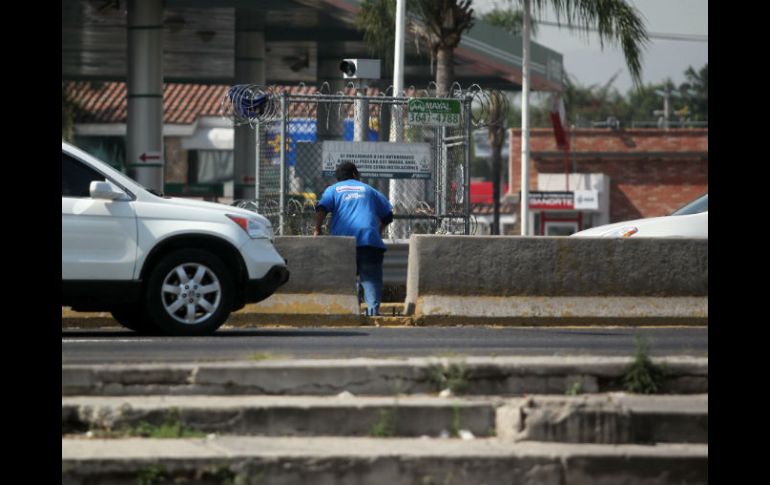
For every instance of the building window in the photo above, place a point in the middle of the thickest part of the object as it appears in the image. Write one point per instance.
(211, 166)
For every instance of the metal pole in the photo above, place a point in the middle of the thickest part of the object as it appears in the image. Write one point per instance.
(282, 169)
(249, 69)
(566, 167)
(361, 122)
(398, 59)
(467, 171)
(525, 125)
(396, 126)
(144, 127)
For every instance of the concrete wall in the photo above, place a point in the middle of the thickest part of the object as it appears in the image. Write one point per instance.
(323, 277)
(542, 279)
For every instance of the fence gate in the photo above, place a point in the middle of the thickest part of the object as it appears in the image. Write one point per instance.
(302, 137)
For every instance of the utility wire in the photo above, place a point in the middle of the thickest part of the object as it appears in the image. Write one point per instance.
(652, 35)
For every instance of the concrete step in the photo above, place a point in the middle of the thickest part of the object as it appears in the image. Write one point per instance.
(503, 376)
(342, 461)
(286, 415)
(616, 418)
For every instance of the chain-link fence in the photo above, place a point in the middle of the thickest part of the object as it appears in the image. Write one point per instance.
(302, 137)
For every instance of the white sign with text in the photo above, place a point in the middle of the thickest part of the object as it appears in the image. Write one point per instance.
(379, 159)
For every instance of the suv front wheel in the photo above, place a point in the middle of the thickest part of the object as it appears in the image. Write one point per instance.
(190, 292)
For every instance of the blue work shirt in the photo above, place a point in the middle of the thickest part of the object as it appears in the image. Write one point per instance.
(356, 209)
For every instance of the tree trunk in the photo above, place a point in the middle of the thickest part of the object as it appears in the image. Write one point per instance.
(444, 70)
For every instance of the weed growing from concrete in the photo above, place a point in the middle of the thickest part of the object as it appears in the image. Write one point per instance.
(171, 427)
(151, 475)
(456, 421)
(385, 426)
(221, 474)
(575, 389)
(259, 356)
(642, 376)
(454, 377)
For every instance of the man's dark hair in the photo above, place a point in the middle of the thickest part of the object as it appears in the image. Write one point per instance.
(346, 171)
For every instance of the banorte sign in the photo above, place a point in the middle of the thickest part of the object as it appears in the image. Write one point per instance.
(551, 200)
(577, 200)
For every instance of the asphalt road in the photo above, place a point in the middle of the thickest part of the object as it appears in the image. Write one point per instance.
(117, 346)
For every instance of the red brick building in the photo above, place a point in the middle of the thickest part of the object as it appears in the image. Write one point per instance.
(635, 173)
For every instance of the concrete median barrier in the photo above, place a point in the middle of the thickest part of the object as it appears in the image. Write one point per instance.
(557, 280)
(322, 281)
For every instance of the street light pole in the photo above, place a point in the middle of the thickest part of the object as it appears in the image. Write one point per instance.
(525, 124)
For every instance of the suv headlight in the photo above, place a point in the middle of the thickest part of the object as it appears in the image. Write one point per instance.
(253, 227)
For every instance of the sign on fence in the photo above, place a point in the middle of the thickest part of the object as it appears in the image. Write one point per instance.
(379, 160)
(434, 112)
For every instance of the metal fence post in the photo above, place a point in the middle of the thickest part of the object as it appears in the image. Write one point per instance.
(258, 161)
(282, 168)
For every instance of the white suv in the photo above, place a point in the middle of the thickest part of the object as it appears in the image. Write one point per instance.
(158, 264)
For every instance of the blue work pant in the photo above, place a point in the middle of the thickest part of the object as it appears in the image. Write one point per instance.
(369, 270)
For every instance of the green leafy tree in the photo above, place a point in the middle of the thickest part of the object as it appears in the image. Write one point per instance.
(509, 19)
(587, 104)
(696, 92)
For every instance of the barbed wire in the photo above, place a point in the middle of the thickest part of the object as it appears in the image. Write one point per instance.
(251, 104)
(299, 217)
(256, 103)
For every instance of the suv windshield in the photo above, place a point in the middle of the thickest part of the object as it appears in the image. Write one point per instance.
(701, 204)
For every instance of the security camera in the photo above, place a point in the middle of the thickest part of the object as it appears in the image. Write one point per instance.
(360, 68)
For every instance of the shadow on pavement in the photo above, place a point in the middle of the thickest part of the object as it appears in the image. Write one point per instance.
(278, 332)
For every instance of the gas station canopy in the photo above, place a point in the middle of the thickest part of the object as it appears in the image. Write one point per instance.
(304, 43)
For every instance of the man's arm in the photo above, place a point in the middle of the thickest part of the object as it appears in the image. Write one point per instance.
(320, 215)
(385, 221)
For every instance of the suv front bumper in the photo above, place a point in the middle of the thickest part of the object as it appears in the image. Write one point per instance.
(259, 289)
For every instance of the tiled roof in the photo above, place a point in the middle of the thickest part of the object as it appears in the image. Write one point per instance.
(106, 102)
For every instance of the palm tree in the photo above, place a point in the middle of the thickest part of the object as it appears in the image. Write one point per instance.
(614, 20)
(440, 23)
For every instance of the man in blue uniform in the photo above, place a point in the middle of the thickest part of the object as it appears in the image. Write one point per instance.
(358, 210)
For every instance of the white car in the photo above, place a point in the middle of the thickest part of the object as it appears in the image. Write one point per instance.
(158, 264)
(692, 220)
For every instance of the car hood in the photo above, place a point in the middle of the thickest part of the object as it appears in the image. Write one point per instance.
(691, 225)
(212, 206)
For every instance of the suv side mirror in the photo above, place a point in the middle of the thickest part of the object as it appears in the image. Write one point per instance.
(105, 190)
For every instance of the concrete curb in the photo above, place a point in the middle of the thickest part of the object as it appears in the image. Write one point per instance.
(600, 419)
(237, 320)
(323, 461)
(477, 375)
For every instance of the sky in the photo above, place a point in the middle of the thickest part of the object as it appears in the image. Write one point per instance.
(587, 64)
